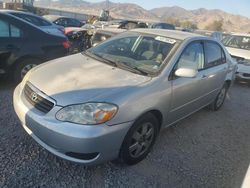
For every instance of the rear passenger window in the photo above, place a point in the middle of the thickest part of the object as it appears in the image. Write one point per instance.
(192, 57)
(8, 30)
(4, 29)
(214, 55)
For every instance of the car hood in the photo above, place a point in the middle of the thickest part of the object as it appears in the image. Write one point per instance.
(78, 78)
(239, 52)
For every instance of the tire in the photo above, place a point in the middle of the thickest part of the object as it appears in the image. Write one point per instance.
(139, 139)
(219, 100)
(22, 68)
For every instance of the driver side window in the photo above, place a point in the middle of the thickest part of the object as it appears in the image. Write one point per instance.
(192, 57)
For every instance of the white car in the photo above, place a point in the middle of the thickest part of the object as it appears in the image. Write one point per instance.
(238, 45)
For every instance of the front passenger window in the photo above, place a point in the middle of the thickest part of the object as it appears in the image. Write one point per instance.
(192, 57)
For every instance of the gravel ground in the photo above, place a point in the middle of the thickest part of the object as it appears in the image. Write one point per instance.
(208, 149)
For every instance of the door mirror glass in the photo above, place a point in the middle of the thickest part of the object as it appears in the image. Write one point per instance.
(186, 72)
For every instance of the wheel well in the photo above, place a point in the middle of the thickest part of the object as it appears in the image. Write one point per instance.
(158, 115)
(23, 58)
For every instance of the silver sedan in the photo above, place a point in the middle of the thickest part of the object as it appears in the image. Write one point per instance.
(111, 101)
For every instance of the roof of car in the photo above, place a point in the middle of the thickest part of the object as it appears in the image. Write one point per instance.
(111, 30)
(179, 35)
(53, 17)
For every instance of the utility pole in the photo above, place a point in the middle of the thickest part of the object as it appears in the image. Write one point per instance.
(107, 4)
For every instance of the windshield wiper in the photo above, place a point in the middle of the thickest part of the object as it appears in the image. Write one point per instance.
(141, 71)
(100, 58)
(116, 64)
(132, 68)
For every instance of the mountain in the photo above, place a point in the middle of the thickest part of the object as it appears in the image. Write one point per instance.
(202, 17)
(117, 10)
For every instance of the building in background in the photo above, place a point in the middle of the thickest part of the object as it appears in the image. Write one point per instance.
(17, 4)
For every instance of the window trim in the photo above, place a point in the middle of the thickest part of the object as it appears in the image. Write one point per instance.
(222, 52)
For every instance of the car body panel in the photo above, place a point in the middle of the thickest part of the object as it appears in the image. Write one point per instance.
(243, 71)
(78, 79)
(75, 79)
(239, 52)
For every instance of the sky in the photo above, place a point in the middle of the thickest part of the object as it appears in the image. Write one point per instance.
(241, 7)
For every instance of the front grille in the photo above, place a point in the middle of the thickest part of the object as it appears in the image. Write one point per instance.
(246, 75)
(35, 98)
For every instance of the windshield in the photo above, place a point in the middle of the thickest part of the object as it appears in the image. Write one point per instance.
(242, 42)
(137, 51)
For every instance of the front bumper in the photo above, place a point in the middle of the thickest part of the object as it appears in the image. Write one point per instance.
(245, 76)
(77, 143)
(243, 72)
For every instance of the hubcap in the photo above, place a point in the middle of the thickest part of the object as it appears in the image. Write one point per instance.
(141, 140)
(221, 97)
(26, 69)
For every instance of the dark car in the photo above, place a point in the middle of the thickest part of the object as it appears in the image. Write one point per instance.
(39, 21)
(64, 21)
(23, 46)
(163, 26)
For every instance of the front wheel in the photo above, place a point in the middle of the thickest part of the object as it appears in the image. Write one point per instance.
(219, 100)
(139, 139)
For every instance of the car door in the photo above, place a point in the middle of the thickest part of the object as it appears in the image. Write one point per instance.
(215, 69)
(188, 93)
(10, 41)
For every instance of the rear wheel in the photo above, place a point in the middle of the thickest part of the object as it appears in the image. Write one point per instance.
(219, 101)
(139, 140)
(23, 67)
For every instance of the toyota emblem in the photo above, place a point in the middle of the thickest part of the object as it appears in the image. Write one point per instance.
(34, 97)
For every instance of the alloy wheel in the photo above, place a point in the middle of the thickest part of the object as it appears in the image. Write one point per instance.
(141, 140)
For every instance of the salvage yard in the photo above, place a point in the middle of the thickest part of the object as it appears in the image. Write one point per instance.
(208, 149)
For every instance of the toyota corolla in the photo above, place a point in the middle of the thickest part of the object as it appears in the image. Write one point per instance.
(111, 101)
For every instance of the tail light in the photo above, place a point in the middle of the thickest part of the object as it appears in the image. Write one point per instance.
(66, 44)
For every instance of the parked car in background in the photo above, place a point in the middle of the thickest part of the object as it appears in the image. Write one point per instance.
(238, 45)
(39, 21)
(64, 21)
(127, 24)
(23, 46)
(101, 35)
(162, 26)
(111, 101)
(79, 38)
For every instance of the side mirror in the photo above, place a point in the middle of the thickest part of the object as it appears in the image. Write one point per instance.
(186, 72)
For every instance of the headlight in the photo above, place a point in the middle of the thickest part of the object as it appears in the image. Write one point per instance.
(88, 113)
